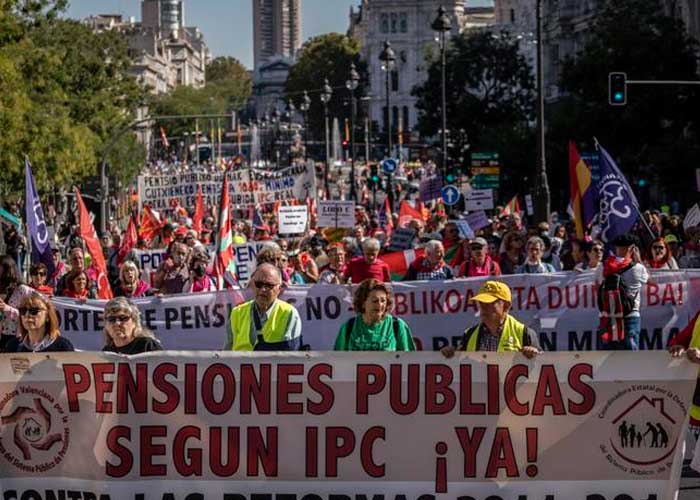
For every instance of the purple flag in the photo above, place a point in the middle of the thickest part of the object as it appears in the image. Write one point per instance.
(36, 223)
(618, 206)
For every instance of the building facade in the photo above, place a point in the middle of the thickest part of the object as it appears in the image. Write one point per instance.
(406, 24)
(276, 29)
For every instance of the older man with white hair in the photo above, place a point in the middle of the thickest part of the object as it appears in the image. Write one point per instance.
(431, 266)
(369, 265)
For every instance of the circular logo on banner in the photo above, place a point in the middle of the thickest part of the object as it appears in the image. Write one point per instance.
(34, 433)
(643, 423)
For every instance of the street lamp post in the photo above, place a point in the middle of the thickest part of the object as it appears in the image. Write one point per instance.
(276, 119)
(442, 25)
(326, 94)
(352, 85)
(542, 192)
(304, 107)
(388, 58)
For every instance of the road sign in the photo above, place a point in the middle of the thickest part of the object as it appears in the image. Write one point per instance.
(485, 156)
(486, 170)
(450, 195)
(486, 181)
(389, 166)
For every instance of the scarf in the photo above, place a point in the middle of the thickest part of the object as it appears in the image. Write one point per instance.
(139, 290)
(613, 265)
(476, 270)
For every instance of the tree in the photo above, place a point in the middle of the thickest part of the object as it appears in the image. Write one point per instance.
(656, 133)
(490, 95)
(326, 56)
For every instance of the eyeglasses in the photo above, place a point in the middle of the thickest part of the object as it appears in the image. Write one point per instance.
(263, 284)
(118, 319)
(39, 273)
(30, 311)
(597, 250)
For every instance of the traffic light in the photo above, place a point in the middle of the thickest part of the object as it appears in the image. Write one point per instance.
(373, 180)
(450, 176)
(345, 145)
(617, 88)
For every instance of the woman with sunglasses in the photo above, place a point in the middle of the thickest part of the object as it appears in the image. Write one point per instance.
(123, 331)
(38, 328)
(594, 253)
(37, 279)
(660, 256)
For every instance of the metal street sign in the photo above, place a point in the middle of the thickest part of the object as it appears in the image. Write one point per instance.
(389, 166)
(485, 156)
(486, 170)
(450, 195)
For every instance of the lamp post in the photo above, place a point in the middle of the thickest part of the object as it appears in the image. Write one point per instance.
(542, 193)
(304, 107)
(275, 120)
(388, 58)
(326, 94)
(352, 85)
(442, 25)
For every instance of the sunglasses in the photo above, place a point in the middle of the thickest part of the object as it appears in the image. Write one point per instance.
(597, 250)
(30, 311)
(118, 319)
(263, 284)
(40, 273)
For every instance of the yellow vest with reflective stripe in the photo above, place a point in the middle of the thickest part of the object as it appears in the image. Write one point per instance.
(695, 342)
(511, 337)
(273, 330)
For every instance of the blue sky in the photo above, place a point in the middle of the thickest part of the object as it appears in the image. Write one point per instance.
(227, 24)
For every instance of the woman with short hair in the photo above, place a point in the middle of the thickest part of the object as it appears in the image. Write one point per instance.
(534, 263)
(38, 328)
(373, 328)
(38, 274)
(123, 332)
(130, 284)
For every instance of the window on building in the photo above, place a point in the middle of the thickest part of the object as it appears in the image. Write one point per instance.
(404, 118)
(384, 23)
(394, 22)
(403, 22)
(512, 16)
(395, 118)
(385, 118)
(395, 80)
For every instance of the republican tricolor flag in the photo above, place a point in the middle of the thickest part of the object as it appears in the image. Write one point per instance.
(582, 204)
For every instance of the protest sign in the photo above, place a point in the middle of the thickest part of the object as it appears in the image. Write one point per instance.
(560, 307)
(478, 199)
(430, 188)
(477, 220)
(529, 206)
(293, 219)
(336, 213)
(246, 187)
(465, 229)
(692, 218)
(401, 239)
(337, 426)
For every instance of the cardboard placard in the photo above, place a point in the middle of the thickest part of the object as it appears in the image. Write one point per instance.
(293, 220)
(477, 220)
(401, 239)
(478, 199)
(692, 218)
(430, 188)
(336, 213)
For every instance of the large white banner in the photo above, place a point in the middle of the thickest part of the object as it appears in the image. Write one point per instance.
(343, 426)
(247, 186)
(560, 307)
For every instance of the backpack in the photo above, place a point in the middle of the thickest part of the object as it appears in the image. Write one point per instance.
(613, 293)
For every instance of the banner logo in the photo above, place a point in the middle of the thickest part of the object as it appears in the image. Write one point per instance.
(34, 431)
(642, 422)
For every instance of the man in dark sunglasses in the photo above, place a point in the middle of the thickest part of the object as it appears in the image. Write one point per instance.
(265, 323)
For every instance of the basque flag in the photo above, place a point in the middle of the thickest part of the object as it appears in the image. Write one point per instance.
(36, 223)
(618, 209)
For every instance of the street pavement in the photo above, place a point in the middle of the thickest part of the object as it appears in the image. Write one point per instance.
(690, 485)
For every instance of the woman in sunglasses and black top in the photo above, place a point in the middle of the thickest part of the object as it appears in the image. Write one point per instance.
(38, 275)
(38, 327)
(123, 331)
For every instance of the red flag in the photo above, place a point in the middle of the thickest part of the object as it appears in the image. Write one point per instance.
(198, 211)
(164, 138)
(88, 234)
(128, 241)
(224, 268)
(407, 213)
(512, 207)
(386, 219)
(150, 224)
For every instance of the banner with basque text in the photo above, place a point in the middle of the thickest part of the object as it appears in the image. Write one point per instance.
(247, 187)
(343, 426)
(561, 307)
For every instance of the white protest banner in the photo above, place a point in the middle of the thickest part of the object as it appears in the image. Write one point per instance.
(337, 426)
(692, 218)
(477, 220)
(336, 213)
(247, 187)
(478, 199)
(293, 219)
(560, 307)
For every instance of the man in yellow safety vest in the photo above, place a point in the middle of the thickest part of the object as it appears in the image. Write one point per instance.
(265, 323)
(498, 330)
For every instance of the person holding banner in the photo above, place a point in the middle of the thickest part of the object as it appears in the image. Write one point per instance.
(38, 327)
(123, 331)
(265, 323)
(373, 328)
(498, 330)
(332, 274)
(130, 284)
(480, 262)
(534, 263)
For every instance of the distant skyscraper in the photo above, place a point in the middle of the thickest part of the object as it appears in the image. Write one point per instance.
(163, 16)
(277, 29)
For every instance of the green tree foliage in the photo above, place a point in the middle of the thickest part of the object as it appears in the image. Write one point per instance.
(656, 133)
(326, 56)
(65, 91)
(228, 88)
(490, 95)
